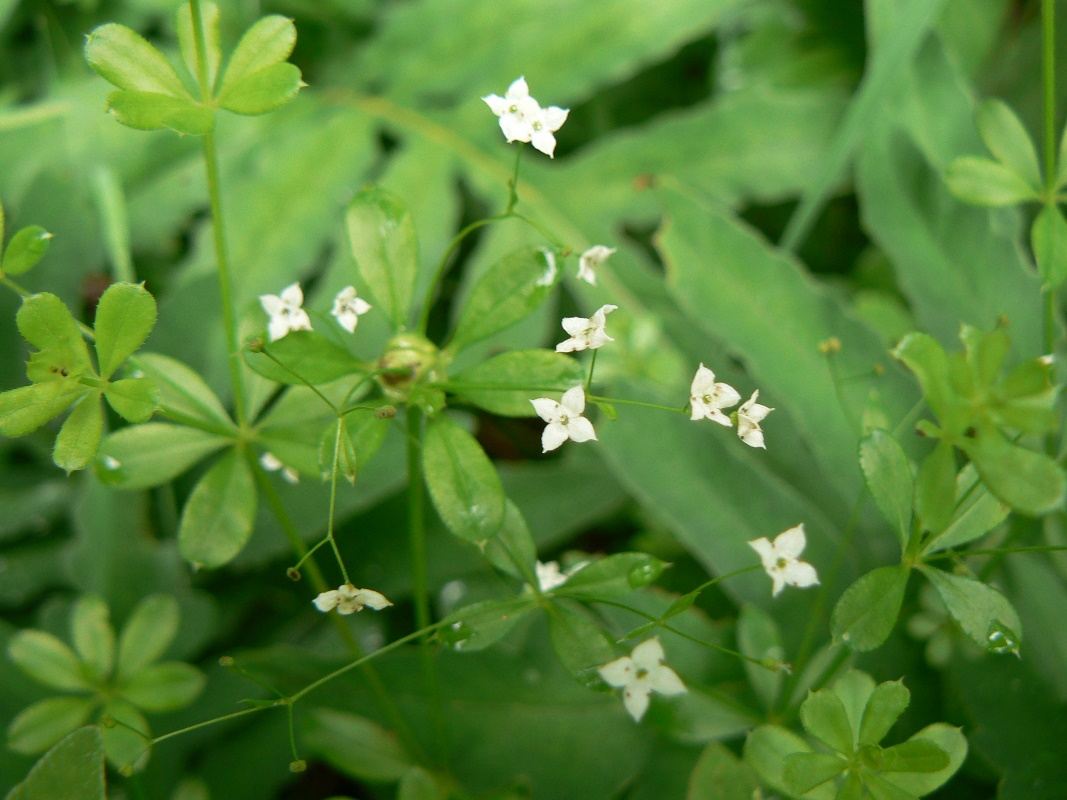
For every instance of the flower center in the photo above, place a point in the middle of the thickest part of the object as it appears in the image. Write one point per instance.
(707, 399)
(564, 419)
(781, 563)
(537, 126)
(513, 108)
(641, 673)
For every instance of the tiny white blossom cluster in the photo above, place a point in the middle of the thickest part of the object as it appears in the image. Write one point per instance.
(287, 314)
(781, 559)
(522, 119)
(347, 599)
(707, 398)
(639, 675)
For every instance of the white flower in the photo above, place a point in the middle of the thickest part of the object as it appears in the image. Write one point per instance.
(347, 308)
(639, 674)
(749, 416)
(590, 260)
(549, 276)
(781, 559)
(549, 575)
(347, 599)
(565, 420)
(271, 463)
(285, 312)
(523, 120)
(586, 333)
(706, 397)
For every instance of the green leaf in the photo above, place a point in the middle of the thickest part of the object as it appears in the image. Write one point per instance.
(44, 322)
(269, 41)
(27, 408)
(510, 291)
(182, 390)
(881, 789)
(25, 249)
(135, 399)
(766, 750)
(305, 356)
(952, 742)
(148, 633)
(720, 775)
(986, 352)
(73, 768)
(47, 660)
(887, 703)
(337, 448)
(887, 471)
(512, 543)
(982, 612)
(382, 236)
(580, 644)
(417, 784)
(92, 634)
(149, 111)
(977, 513)
(489, 385)
(854, 689)
(824, 717)
(758, 637)
(1029, 482)
(125, 59)
(1006, 137)
(79, 438)
(612, 576)
(356, 746)
(982, 182)
(851, 787)
(463, 482)
(914, 755)
(1048, 238)
(867, 611)
(481, 625)
(163, 687)
(262, 91)
(802, 772)
(149, 455)
(218, 516)
(127, 745)
(124, 318)
(209, 16)
(935, 489)
(925, 356)
(41, 725)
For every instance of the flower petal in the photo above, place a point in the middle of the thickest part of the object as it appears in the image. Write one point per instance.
(544, 141)
(546, 409)
(518, 89)
(271, 303)
(635, 698)
(768, 555)
(497, 104)
(278, 327)
(372, 599)
(790, 543)
(665, 681)
(554, 117)
(553, 436)
(573, 400)
(293, 295)
(299, 320)
(581, 430)
(648, 655)
(702, 381)
(576, 326)
(800, 574)
(619, 672)
(327, 600)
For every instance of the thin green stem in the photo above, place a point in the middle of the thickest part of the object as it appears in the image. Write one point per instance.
(513, 184)
(190, 728)
(1048, 65)
(618, 400)
(333, 500)
(304, 381)
(997, 551)
(592, 366)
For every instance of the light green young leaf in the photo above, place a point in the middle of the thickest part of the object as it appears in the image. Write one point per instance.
(357, 746)
(463, 482)
(887, 703)
(510, 291)
(147, 634)
(935, 489)
(209, 15)
(73, 768)
(977, 512)
(79, 438)
(867, 611)
(758, 637)
(151, 454)
(1006, 137)
(580, 644)
(1048, 238)
(481, 625)
(982, 182)
(218, 516)
(611, 576)
(766, 750)
(486, 385)
(952, 741)
(1028, 481)
(126, 59)
(41, 725)
(182, 390)
(163, 687)
(982, 612)
(149, 111)
(27, 408)
(914, 755)
(306, 354)
(47, 660)
(262, 91)
(92, 634)
(824, 717)
(44, 322)
(25, 249)
(887, 472)
(134, 399)
(803, 772)
(382, 236)
(269, 41)
(124, 318)
(925, 356)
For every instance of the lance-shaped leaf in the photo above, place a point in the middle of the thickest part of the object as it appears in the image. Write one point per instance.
(802, 772)
(1006, 137)
(219, 514)
(209, 16)
(382, 236)
(76, 765)
(25, 249)
(758, 637)
(164, 687)
(977, 512)
(580, 644)
(1026, 480)
(149, 111)
(935, 488)
(767, 750)
(507, 293)
(886, 704)
(47, 660)
(148, 455)
(924, 356)
(613, 575)
(825, 718)
(481, 625)
(952, 742)
(915, 755)
(39, 726)
(887, 472)
(1048, 237)
(148, 633)
(983, 613)
(305, 357)
(867, 611)
(513, 550)
(983, 182)
(126, 59)
(182, 390)
(489, 385)
(135, 399)
(463, 482)
(124, 318)
(79, 438)
(93, 636)
(355, 745)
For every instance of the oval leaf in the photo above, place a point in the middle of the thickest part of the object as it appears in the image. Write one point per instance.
(218, 516)
(482, 625)
(124, 318)
(1048, 237)
(27, 408)
(952, 741)
(269, 41)
(149, 111)
(79, 438)
(25, 249)
(825, 718)
(164, 687)
(867, 611)
(41, 725)
(982, 612)
(126, 59)
(262, 91)
(135, 399)
(611, 576)
(47, 660)
(758, 637)
(148, 633)
(490, 385)
(148, 455)
(887, 703)
(93, 636)
(580, 644)
(357, 746)
(181, 389)
(306, 357)
(887, 472)
(1006, 137)
(74, 767)
(1027, 481)
(935, 489)
(382, 236)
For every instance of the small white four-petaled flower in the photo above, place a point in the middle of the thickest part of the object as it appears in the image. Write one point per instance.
(347, 308)
(285, 312)
(639, 674)
(707, 398)
(271, 463)
(565, 420)
(781, 559)
(590, 260)
(523, 120)
(586, 333)
(347, 599)
(749, 416)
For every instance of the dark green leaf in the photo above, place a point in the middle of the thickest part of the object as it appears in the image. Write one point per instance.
(720, 775)
(766, 750)
(914, 755)
(982, 612)
(977, 512)
(489, 385)
(417, 784)
(262, 91)
(867, 611)
(135, 399)
(887, 471)
(952, 742)
(73, 768)
(306, 357)
(357, 746)
(935, 489)
(25, 249)
(611, 576)
(125, 316)
(1026, 480)
(481, 625)
(758, 637)
(580, 643)
(887, 703)
(218, 516)
(881, 789)
(382, 236)
(148, 455)
(125, 59)
(802, 772)
(513, 543)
